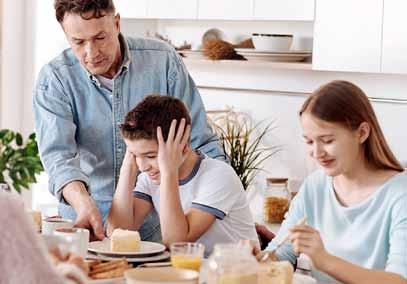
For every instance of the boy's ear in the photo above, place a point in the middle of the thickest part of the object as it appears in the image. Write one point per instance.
(186, 149)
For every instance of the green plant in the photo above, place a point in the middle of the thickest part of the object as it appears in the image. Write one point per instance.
(242, 143)
(19, 161)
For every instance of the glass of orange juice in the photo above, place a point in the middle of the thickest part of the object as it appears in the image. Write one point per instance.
(187, 255)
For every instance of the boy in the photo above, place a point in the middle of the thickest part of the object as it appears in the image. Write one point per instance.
(197, 198)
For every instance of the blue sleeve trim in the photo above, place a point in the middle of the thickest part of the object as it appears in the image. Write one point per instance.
(219, 214)
(142, 195)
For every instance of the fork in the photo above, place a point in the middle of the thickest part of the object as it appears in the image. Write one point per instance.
(267, 255)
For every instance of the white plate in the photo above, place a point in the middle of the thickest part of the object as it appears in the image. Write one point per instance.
(261, 51)
(117, 280)
(303, 279)
(146, 249)
(160, 257)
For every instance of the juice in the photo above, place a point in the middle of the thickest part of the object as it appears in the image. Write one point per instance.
(186, 261)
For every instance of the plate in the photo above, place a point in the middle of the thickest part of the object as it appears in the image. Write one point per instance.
(146, 249)
(117, 280)
(155, 258)
(258, 55)
(262, 51)
(303, 279)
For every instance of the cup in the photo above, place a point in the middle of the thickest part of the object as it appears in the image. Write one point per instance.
(187, 255)
(57, 244)
(50, 224)
(78, 237)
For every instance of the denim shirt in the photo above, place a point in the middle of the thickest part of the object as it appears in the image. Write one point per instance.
(77, 118)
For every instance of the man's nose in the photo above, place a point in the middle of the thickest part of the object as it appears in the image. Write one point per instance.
(92, 52)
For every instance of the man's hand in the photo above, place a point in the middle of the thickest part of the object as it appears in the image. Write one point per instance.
(170, 152)
(88, 215)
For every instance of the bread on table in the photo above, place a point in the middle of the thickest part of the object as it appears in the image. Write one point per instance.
(276, 272)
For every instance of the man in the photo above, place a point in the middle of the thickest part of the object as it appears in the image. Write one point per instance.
(81, 98)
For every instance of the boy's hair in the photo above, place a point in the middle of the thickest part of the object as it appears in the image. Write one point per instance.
(153, 111)
(99, 8)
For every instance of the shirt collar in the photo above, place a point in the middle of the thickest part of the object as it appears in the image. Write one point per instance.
(125, 63)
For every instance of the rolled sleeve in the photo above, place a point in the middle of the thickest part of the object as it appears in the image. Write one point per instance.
(55, 130)
(182, 86)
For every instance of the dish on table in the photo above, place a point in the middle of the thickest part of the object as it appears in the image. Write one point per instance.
(146, 249)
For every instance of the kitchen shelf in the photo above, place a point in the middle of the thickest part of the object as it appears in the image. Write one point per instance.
(207, 63)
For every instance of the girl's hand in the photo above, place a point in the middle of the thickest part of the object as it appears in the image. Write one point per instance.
(170, 152)
(307, 240)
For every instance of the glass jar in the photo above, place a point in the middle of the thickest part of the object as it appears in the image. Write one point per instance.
(277, 199)
(232, 264)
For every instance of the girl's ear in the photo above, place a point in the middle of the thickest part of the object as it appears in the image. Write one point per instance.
(363, 132)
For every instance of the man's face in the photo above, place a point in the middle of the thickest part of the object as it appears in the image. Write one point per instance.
(95, 42)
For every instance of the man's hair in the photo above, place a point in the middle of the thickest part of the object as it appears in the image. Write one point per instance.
(153, 111)
(99, 8)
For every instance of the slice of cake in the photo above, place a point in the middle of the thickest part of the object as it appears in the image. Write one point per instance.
(124, 241)
(276, 272)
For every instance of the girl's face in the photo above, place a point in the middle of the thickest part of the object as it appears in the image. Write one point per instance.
(337, 149)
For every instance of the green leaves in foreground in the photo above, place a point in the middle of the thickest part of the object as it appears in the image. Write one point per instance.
(18, 160)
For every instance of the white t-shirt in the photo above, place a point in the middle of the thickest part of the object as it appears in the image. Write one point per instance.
(212, 187)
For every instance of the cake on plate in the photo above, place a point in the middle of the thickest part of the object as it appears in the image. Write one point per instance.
(124, 241)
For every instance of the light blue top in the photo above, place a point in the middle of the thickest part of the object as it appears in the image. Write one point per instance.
(77, 118)
(372, 234)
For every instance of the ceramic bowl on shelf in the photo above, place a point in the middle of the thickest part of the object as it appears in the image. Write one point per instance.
(272, 42)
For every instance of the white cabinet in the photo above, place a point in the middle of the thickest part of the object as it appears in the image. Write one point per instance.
(394, 57)
(226, 9)
(348, 35)
(285, 10)
(131, 8)
(172, 9)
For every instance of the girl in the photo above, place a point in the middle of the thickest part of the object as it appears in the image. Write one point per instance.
(356, 206)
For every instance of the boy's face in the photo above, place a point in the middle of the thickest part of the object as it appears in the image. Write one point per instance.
(145, 151)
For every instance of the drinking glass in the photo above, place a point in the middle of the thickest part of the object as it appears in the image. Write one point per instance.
(187, 255)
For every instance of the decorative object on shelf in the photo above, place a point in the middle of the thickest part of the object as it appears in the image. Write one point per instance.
(246, 43)
(19, 162)
(252, 54)
(272, 42)
(242, 142)
(212, 34)
(184, 46)
(217, 49)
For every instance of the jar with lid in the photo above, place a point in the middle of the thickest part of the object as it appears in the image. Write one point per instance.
(232, 264)
(277, 199)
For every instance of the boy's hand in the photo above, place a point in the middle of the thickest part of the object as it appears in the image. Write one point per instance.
(129, 162)
(170, 152)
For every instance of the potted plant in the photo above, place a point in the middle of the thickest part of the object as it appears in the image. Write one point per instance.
(19, 160)
(243, 142)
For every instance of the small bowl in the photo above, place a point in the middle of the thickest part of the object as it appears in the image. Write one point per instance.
(156, 275)
(272, 42)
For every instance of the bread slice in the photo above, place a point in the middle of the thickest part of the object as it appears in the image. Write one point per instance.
(276, 272)
(124, 241)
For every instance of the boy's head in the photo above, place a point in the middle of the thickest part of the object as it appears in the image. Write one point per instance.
(139, 129)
